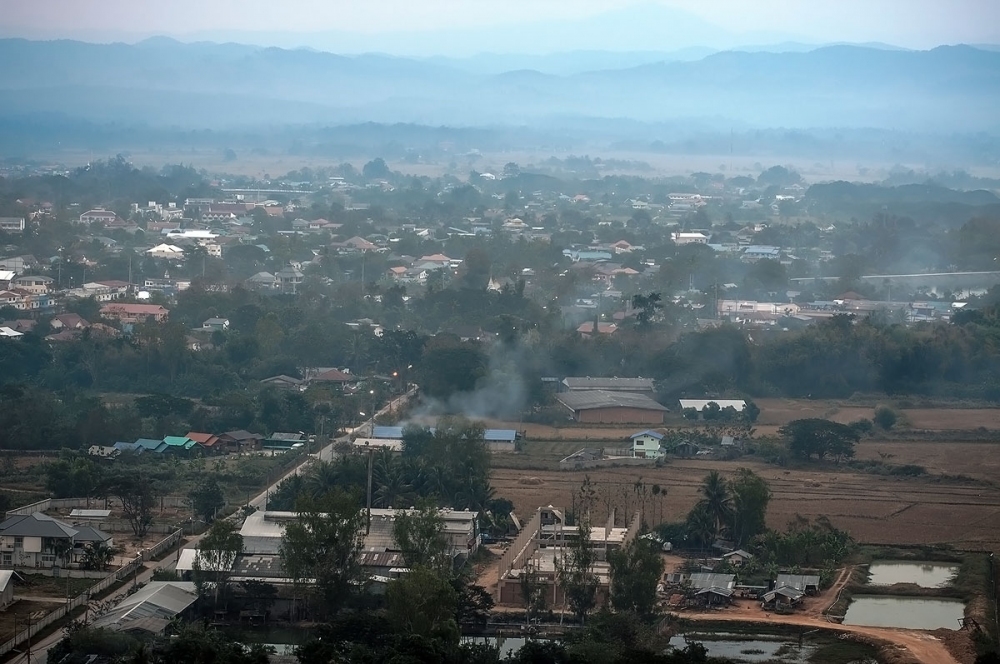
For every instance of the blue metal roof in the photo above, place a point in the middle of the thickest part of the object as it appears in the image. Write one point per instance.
(394, 433)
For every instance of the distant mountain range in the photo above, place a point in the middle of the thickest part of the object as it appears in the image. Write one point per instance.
(162, 82)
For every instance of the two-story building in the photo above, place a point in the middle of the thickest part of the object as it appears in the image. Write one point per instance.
(647, 445)
(39, 540)
(98, 216)
(135, 313)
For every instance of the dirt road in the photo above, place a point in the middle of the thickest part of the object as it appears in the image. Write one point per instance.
(922, 647)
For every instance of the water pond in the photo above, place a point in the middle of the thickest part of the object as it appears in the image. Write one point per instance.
(925, 575)
(748, 649)
(905, 612)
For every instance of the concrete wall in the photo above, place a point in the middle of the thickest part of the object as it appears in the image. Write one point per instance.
(90, 503)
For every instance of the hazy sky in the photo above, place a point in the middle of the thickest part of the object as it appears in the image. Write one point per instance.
(910, 23)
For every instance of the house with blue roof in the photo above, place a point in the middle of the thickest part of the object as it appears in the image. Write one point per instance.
(179, 444)
(647, 444)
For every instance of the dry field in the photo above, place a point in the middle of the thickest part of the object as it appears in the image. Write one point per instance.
(872, 508)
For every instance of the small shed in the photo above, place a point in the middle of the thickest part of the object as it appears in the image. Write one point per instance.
(6, 588)
(806, 583)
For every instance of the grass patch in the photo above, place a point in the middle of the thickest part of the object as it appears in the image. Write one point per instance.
(843, 651)
(42, 585)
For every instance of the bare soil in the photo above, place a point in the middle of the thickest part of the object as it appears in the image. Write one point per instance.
(874, 509)
(20, 610)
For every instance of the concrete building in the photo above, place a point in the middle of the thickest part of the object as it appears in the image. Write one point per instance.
(543, 543)
(12, 224)
(39, 540)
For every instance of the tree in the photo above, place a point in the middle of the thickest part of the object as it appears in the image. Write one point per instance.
(716, 501)
(751, 412)
(137, 493)
(97, 556)
(420, 536)
(750, 497)
(206, 499)
(635, 571)
(885, 417)
(575, 572)
(711, 411)
(217, 554)
(820, 437)
(422, 602)
(648, 305)
(376, 169)
(324, 544)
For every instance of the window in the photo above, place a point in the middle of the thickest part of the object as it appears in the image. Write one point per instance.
(48, 560)
(7, 559)
(18, 542)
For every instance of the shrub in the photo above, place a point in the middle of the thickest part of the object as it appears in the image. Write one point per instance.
(885, 417)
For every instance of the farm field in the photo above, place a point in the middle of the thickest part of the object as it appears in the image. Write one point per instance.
(874, 509)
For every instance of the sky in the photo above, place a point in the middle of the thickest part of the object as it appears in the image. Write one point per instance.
(392, 23)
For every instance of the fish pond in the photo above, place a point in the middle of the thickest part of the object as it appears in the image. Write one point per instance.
(925, 575)
(774, 648)
(905, 612)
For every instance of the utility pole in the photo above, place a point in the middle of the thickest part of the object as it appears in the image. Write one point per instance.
(368, 524)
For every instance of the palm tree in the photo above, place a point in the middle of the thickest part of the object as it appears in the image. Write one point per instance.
(390, 481)
(716, 500)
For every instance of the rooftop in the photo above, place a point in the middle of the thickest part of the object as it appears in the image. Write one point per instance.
(591, 399)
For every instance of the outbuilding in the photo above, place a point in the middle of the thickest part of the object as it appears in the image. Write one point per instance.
(604, 407)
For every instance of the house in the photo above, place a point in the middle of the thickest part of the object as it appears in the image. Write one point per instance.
(283, 382)
(390, 444)
(179, 444)
(166, 251)
(6, 588)
(807, 583)
(288, 279)
(98, 216)
(754, 253)
(12, 224)
(128, 447)
(214, 324)
(207, 441)
(689, 238)
(39, 540)
(284, 441)
(605, 407)
(334, 377)
(263, 280)
(240, 441)
(149, 445)
(8, 333)
(646, 444)
(781, 597)
(135, 313)
(69, 322)
(34, 284)
(103, 451)
(500, 440)
(588, 330)
(737, 558)
(612, 384)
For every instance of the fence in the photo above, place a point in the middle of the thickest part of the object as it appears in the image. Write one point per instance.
(123, 572)
(89, 503)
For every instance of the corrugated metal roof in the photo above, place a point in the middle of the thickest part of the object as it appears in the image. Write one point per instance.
(387, 432)
(158, 600)
(500, 435)
(592, 399)
(797, 581)
(613, 383)
(702, 580)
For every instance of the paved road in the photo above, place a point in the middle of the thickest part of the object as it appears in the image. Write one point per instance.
(40, 649)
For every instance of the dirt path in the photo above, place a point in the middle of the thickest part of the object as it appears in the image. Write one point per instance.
(922, 647)
(833, 594)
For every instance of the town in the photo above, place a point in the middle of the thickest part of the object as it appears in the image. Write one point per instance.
(526, 333)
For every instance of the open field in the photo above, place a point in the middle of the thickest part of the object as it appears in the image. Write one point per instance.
(773, 414)
(872, 508)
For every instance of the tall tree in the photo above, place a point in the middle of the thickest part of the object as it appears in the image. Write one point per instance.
(715, 500)
(750, 497)
(217, 554)
(635, 571)
(420, 536)
(575, 572)
(323, 544)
